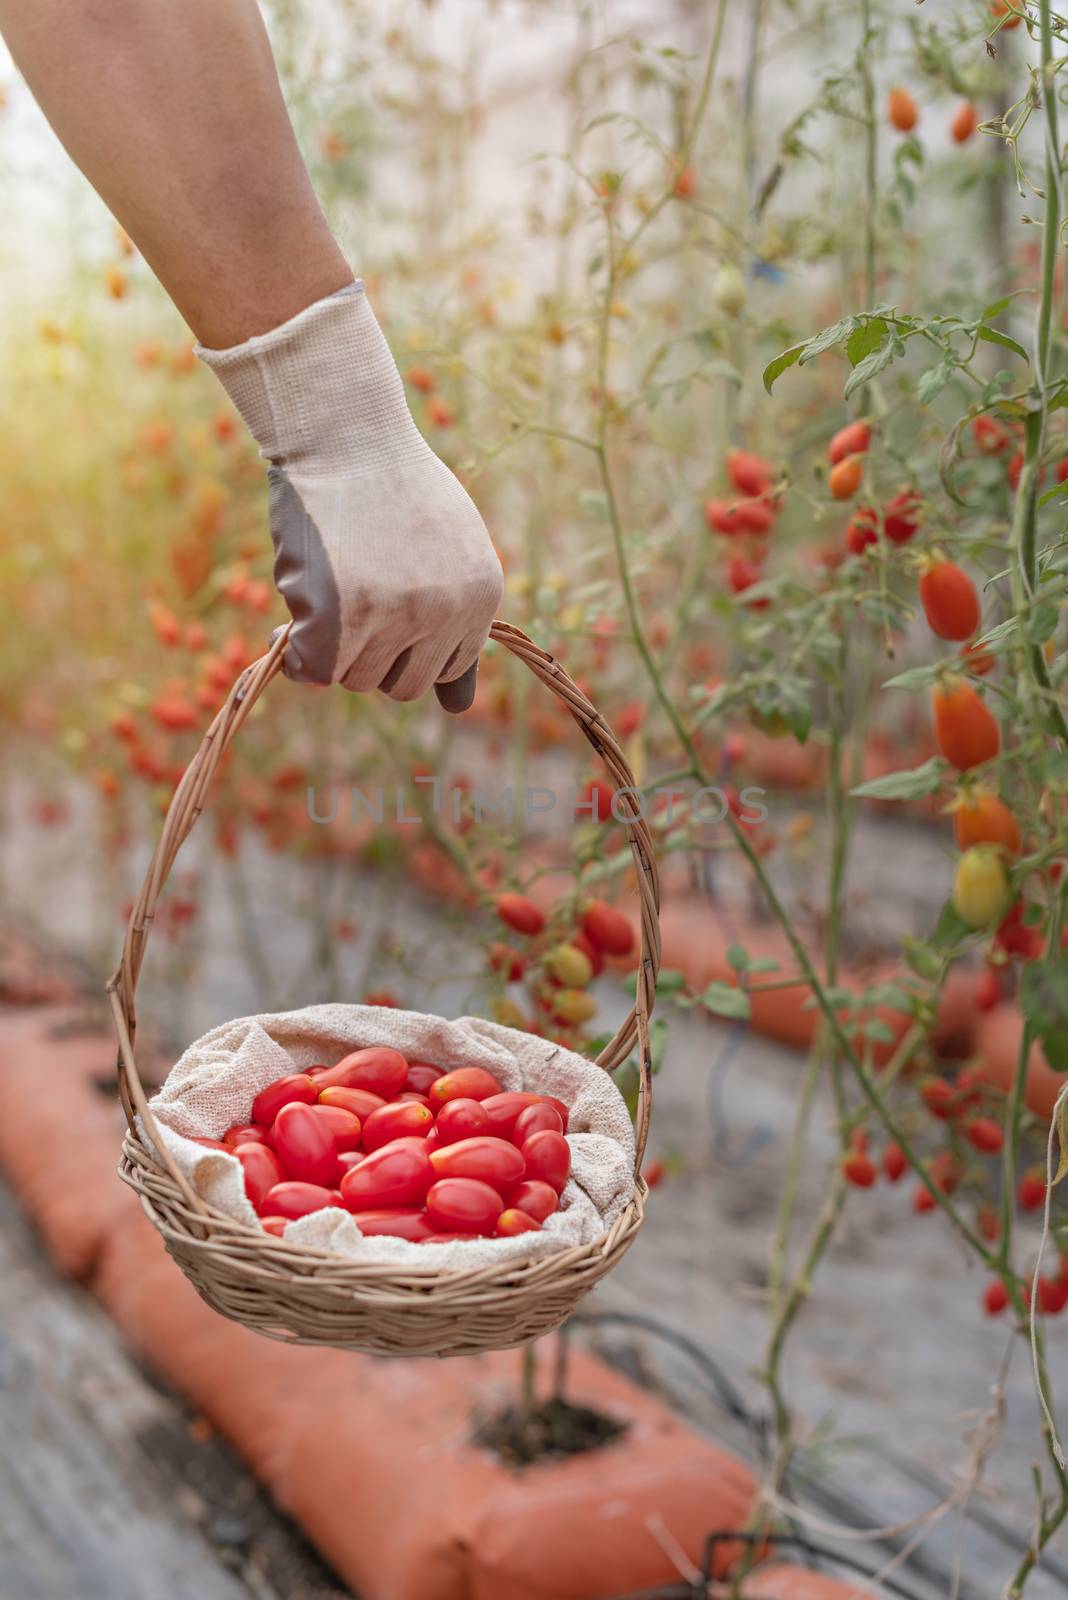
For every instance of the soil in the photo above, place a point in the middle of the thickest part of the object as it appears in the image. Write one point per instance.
(552, 1430)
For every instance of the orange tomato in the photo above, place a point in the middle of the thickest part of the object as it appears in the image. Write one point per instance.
(982, 818)
(966, 731)
(845, 477)
(964, 123)
(1001, 8)
(901, 110)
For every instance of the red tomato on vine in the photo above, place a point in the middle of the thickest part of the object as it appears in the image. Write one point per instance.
(950, 601)
(966, 731)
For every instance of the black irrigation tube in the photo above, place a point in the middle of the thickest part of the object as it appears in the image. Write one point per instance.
(724, 1390)
(732, 1403)
(698, 1590)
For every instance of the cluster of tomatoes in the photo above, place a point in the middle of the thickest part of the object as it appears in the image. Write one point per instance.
(558, 971)
(1050, 1300)
(749, 518)
(959, 1107)
(410, 1150)
(903, 113)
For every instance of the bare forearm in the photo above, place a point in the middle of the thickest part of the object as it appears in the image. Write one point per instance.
(172, 110)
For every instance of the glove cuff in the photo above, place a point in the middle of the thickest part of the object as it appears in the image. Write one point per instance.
(321, 393)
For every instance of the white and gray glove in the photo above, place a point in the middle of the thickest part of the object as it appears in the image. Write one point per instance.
(380, 554)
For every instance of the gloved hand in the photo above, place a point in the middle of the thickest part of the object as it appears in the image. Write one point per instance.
(380, 554)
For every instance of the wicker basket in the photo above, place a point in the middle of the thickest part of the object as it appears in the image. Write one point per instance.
(286, 1291)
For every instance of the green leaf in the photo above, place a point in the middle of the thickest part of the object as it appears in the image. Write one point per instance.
(995, 336)
(764, 964)
(1060, 1117)
(873, 364)
(933, 381)
(913, 784)
(669, 981)
(594, 503)
(998, 306)
(950, 928)
(878, 1031)
(916, 677)
(924, 961)
(826, 339)
(1044, 1004)
(658, 1038)
(776, 368)
(888, 994)
(737, 958)
(1041, 625)
(724, 1000)
(1059, 490)
(865, 340)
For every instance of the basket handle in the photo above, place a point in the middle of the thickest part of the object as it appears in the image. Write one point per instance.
(188, 802)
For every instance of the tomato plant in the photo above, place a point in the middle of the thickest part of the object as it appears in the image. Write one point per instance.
(773, 443)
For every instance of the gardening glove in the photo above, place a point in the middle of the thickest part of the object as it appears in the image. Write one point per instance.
(380, 554)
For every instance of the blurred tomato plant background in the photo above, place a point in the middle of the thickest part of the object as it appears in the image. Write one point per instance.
(744, 325)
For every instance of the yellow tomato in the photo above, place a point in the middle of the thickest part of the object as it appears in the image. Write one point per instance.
(508, 1014)
(980, 887)
(574, 1005)
(570, 966)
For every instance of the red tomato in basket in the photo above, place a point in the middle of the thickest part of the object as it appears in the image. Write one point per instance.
(359, 1101)
(463, 1205)
(297, 1088)
(413, 1225)
(510, 1223)
(548, 1157)
(315, 1072)
(291, 1200)
(466, 1083)
(491, 1160)
(534, 1196)
(344, 1125)
(421, 1075)
(381, 1070)
(244, 1133)
(347, 1159)
(213, 1144)
(396, 1176)
(446, 1238)
(461, 1119)
(304, 1145)
(411, 1095)
(261, 1170)
(275, 1225)
(503, 1110)
(542, 1118)
(403, 1119)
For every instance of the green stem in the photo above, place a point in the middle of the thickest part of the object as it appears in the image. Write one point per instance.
(871, 155)
(528, 1399)
(780, 1243)
(1025, 511)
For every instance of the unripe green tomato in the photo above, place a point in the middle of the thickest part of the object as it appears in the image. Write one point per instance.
(569, 966)
(980, 887)
(729, 290)
(574, 1005)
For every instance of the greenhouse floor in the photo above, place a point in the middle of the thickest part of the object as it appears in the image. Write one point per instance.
(111, 1489)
